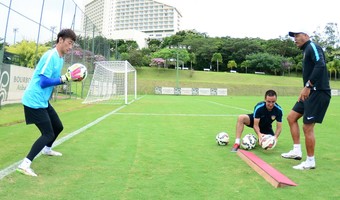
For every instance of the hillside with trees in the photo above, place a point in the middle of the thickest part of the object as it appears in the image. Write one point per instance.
(278, 56)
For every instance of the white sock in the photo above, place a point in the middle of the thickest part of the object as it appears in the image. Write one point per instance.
(237, 140)
(26, 163)
(310, 159)
(47, 148)
(297, 147)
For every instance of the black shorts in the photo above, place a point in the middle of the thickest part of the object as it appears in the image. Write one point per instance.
(36, 116)
(314, 108)
(264, 130)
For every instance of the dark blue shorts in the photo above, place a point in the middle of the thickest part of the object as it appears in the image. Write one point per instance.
(264, 130)
(314, 108)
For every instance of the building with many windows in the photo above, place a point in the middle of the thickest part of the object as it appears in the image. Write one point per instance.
(117, 19)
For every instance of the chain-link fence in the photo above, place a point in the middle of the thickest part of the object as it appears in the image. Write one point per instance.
(29, 28)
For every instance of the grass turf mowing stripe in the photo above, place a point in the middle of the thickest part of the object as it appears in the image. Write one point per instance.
(185, 115)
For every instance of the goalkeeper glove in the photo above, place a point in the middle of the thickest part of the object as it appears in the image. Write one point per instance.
(74, 75)
(66, 77)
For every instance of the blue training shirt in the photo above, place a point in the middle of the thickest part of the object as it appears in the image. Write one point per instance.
(267, 117)
(49, 65)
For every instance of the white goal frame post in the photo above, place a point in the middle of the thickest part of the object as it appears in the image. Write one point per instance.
(113, 82)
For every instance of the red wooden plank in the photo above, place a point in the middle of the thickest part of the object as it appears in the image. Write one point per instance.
(276, 178)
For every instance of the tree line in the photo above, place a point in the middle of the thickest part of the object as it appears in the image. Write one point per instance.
(198, 51)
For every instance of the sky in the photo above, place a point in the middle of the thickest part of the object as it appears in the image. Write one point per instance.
(266, 19)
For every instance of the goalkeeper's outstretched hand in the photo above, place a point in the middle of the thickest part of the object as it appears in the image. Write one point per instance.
(73, 75)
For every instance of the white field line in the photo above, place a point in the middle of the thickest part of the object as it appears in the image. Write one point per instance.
(12, 168)
(233, 107)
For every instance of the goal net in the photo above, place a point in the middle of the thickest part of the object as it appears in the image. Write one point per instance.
(113, 82)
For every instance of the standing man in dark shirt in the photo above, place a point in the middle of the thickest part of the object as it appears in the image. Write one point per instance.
(265, 113)
(313, 100)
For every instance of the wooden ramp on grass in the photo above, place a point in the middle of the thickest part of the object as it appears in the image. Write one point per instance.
(269, 173)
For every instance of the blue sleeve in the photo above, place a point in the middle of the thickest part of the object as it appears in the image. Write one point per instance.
(280, 113)
(47, 82)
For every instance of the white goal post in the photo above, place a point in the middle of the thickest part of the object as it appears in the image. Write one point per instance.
(113, 82)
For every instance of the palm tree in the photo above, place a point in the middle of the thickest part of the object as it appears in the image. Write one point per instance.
(192, 59)
(331, 67)
(336, 67)
(218, 58)
(231, 64)
(245, 64)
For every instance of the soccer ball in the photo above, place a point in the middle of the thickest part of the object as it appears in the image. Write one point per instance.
(268, 142)
(248, 141)
(222, 138)
(80, 69)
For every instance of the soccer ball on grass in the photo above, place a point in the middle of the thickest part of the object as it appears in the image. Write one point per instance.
(248, 141)
(268, 142)
(222, 138)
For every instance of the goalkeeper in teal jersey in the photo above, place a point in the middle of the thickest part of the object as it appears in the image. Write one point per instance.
(37, 108)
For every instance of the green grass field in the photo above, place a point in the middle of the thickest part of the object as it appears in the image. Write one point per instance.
(161, 147)
(238, 84)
